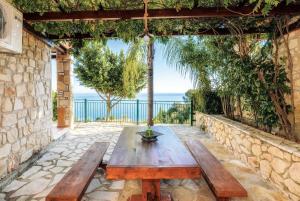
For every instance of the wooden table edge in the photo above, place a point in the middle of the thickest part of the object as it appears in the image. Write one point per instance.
(153, 173)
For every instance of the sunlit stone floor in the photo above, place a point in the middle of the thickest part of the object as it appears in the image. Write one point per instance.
(38, 180)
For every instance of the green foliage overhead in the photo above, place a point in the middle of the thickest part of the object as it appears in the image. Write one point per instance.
(128, 30)
(67, 5)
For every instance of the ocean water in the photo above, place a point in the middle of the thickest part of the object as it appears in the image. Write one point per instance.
(142, 96)
(89, 107)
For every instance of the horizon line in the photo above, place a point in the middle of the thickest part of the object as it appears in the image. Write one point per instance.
(138, 93)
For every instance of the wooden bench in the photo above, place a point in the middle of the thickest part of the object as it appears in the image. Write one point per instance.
(220, 181)
(73, 185)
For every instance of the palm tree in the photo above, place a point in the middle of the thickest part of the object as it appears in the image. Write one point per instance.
(189, 57)
(150, 55)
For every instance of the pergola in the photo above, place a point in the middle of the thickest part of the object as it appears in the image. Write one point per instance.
(127, 19)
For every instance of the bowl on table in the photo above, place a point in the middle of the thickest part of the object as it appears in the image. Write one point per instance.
(146, 137)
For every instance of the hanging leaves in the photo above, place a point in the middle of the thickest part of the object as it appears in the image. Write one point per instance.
(128, 30)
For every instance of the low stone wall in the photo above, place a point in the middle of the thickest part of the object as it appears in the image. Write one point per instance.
(276, 159)
(25, 103)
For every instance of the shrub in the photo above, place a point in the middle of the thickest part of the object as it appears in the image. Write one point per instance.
(205, 101)
(178, 113)
(211, 103)
(54, 105)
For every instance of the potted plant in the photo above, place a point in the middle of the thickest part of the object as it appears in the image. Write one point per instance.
(149, 135)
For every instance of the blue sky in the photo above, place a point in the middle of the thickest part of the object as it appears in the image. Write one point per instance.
(166, 78)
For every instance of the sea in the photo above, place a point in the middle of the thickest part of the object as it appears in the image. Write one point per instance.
(141, 96)
(89, 107)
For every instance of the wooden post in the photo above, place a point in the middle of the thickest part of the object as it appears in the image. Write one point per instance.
(150, 56)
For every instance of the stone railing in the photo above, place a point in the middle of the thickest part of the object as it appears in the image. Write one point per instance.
(276, 159)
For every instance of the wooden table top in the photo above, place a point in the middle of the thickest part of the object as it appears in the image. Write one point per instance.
(167, 158)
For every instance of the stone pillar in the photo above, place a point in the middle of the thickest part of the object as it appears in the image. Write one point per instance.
(64, 91)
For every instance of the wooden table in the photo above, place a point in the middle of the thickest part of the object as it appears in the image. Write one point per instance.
(167, 158)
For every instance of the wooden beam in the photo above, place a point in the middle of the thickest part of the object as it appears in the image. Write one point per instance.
(78, 36)
(217, 31)
(59, 48)
(200, 12)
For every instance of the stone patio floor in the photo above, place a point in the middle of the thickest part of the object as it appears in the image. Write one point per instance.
(38, 180)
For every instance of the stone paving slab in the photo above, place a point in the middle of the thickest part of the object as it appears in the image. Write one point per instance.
(38, 181)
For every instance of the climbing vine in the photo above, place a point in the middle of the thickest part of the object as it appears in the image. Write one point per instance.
(130, 29)
(68, 5)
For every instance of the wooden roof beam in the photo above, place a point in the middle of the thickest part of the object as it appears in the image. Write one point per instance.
(159, 13)
(217, 31)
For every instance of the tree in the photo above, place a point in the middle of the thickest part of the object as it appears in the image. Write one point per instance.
(241, 69)
(113, 76)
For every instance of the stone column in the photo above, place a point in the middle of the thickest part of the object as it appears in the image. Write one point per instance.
(64, 91)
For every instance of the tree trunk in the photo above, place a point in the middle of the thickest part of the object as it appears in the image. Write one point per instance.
(108, 108)
(226, 101)
(239, 107)
(285, 38)
(150, 56)
(279, 105)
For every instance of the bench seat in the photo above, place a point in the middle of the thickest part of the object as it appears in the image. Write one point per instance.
(220, 181)
(75, 182)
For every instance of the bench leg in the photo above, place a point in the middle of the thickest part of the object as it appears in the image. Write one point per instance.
(103, 166)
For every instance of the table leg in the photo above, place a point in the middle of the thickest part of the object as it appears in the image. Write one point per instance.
(151, 192)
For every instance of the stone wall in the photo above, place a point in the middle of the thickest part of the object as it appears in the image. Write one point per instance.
(276, 159)
(294, 76)
(25, 103)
